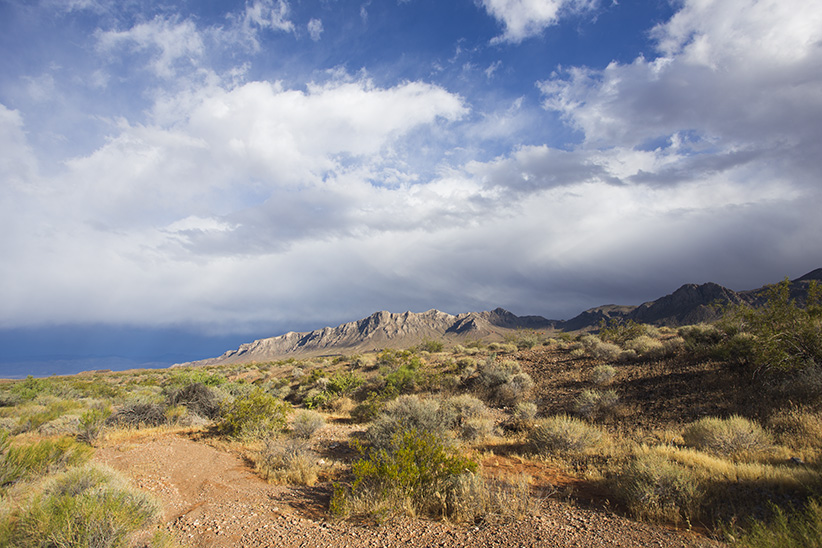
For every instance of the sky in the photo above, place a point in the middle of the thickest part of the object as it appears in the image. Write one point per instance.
(180, 177)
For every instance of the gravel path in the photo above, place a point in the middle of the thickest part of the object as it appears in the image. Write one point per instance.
(212, 498)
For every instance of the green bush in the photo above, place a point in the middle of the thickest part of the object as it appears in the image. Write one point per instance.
(802, 529)
(564, 434)
(92, 423)
(430, 345)
(732, 436)
(254, 415)
(84, 507)
(780, 335)
(414, 476)
(655, 488)
(619, 331)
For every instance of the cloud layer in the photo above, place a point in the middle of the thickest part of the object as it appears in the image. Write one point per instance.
(228, 201)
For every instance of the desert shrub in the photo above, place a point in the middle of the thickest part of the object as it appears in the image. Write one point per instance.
(255, 415)
(800, 529)
(198, 398)
(502, 348)
(591, 402)
(288, 461)
(600, 349)
(516, 389)
(602, 374)
(136, 415)
(30, 388)
(804, 385)
(84, 507)
(503, 382)
(522, 417)
(798, 428)
(415, 476)
(564, 434)
(655, 488)
(430, 345)
(619, 330)
(187, 377)
(646, 347)
(701, 340)
(344, 383)
(22, 462)
(780, 335)
(408, 413)
(368, 409)
(305, 423)
(92, 423)
(469, 416)
(732, 436)
(475, 499)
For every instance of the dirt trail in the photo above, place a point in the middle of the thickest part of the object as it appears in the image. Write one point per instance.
(212, 498)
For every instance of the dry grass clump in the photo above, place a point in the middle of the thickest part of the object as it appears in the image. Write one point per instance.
(476, 499)
(799, 429)
(90, 506)
(653, 487)
(288, 461)
(305, 423)
(730, 437)
(138, 414)
(600, 349)
(564, 434)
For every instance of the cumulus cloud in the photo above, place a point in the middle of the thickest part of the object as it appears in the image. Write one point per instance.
(526, 18)
(748, 72)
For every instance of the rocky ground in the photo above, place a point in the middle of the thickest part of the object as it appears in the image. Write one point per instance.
(212, 497)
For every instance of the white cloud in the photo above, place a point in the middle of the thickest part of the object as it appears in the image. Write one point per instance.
(526, 18)
(170, 40)
(315, 29)
(748, 73)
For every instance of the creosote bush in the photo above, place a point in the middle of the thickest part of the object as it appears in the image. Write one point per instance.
(416, 476)
(254, 415)
(732, 436)
(564, 434)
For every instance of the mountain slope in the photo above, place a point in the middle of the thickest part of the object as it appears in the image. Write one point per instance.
(689, 304)
(383, 330)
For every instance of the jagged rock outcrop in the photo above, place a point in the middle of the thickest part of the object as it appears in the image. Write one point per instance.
(383, 330)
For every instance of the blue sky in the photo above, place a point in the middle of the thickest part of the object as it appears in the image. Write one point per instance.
(180, 176)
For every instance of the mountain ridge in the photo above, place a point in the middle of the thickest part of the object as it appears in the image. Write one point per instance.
(690, 303)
